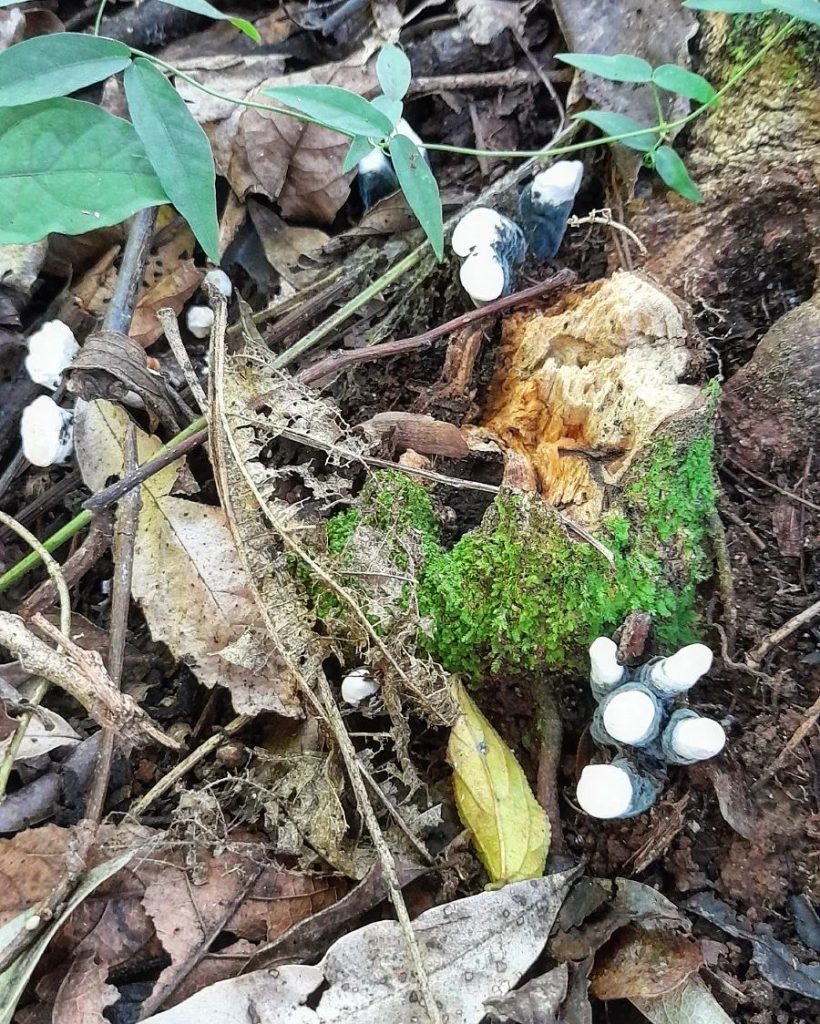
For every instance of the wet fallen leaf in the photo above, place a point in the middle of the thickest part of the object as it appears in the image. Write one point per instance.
(475, 948)
(84, 993)
(45, 732)
(774, 959)
(640, 964)
(494, 800)
(537, 1002)
(188, 577)
(692, 1003)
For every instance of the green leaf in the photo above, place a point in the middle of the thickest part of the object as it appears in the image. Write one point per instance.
(620, 67)
(510, 830)
(685, 83)
(727, 6)
(618, 124)
(392, 109)
(336, 108)
(15, 977)
(805, 10)
(70, 166)
(673, 172)
(55, 65)
(178, 149)
(420, 189)
(359, 148)
(202, 7)
(393, 72)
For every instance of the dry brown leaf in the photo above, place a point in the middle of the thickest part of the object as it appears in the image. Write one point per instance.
(188, 577)
(636, 964)
(227, 963)
(299, 165)
(84, 994)
(171, 292)
(30, 865)
(281, 899)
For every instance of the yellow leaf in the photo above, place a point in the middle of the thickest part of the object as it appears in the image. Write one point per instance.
(510, 830)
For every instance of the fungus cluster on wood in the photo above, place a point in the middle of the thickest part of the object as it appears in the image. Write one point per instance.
(637, 709)
(492, 246)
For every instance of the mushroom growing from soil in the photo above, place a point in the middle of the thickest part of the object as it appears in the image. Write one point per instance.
(688, 738)
(545, 204)
(680, 672)
(491, 246)
(605, 672)
(47, 432)
(615, 790)
(630, 715)
(50, 351)
(199, 320)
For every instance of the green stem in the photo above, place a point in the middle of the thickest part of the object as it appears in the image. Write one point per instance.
(99, 18)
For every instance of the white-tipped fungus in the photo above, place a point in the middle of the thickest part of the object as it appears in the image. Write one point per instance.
(545, 204)
(50, 350)
(476, 230)
(47, 432)
(358, 685)
(631, 717)
(695, 738)
(199, 320)
(218, 279)
(605, 791)
(559, 183)
(377, 179)
(482, 277)
(681, 671)
(605, 672)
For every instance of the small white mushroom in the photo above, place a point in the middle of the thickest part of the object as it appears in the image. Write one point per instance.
(695, 738)
(47, 432)
(218, 279)
(358, 685)
(631, 717)
(199, 320)
(50, 350)
(682, 670)
(476, 230)
(605, 672)
(559, 183)
(605, 791)
(482, 276)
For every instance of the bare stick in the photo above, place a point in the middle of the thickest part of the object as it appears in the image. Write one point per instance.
(333, 364)
(167, 782)
(41, 688)
(124, 543)
(756, 656)
(121, 308)
(170, 324)
(773, 486)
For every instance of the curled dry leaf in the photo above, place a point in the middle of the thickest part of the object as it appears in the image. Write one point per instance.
(299, 165)
(692, 1003)
(171, 291)
(188, 577)
(475, 948)
(494, 800)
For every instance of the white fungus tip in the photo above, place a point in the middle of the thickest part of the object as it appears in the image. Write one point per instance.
(358, 685)
(629, 716)
(50, 350)
(482, 277)
(604, 791)
(199, 320)
(698, 739)
(374, 162)
(603, 661)
(403, 128)
(559, 183)
(683, 669)
(476, 230)
(218, 279)
(47, 432)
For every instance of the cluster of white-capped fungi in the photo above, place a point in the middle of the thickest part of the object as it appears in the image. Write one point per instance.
(641, 715)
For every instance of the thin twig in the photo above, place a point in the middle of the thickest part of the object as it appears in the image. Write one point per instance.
(797, 737)
(474, 80)
(544, 77)
(773, 486)
(41, 688)
(125, 538)
(129, 278)
(756, 656)
(605, 217)
(319, 372)
(170, 324)
(167, 782)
